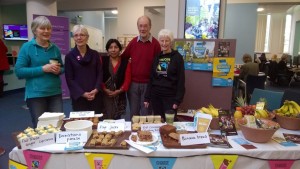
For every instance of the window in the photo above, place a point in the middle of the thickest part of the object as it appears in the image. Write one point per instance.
(287, 32)
(267, 38)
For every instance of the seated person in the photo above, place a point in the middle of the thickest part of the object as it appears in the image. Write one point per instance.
(263, 63)
(248, 68)
(284, 74)
(282, 65)
(273, 69)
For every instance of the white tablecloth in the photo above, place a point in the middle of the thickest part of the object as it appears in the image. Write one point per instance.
(186, 158)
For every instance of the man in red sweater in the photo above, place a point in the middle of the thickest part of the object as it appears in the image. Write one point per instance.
(142, 50)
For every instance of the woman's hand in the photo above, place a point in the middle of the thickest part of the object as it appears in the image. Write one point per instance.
(115, 93)
(146, 104)
(175, 106)
(52, 68)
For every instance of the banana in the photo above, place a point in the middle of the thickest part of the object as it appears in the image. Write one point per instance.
(295, 105)
(291, 111)
(213, 110)
(262, 113)
(206, 110)
(285, 107)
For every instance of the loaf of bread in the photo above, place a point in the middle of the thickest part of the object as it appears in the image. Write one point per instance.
(167, 129)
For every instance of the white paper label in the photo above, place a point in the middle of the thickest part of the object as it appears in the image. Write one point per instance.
(82, 114)
(194, 138)
(38, 141)
(71, 136)
(151, 127)
(110, 127)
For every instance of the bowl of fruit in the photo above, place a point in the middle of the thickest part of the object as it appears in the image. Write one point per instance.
(288, 115)
(260, 131)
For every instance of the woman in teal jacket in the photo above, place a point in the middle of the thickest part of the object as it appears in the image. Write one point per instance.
(40, 63)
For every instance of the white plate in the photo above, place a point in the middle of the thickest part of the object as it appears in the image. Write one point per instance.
(154, 140)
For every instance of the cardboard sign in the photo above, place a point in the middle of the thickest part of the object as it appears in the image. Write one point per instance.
(203, 121)
(71, 136)
(81, 114)
(260, 105)
(38, 141)
(194, 138)
(110, 127)
(151, 127)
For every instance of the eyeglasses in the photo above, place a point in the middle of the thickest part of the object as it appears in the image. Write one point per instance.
(79, 35)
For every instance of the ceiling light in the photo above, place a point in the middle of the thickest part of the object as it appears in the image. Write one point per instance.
(114, 12)
(260, 9)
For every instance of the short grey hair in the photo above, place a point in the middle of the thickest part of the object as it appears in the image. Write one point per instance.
(40, 21)
(80, 28)
(166, 33)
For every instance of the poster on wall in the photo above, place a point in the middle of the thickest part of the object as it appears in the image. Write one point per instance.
(223, 71)
(197, 54)
(61, 37)
(202, 19)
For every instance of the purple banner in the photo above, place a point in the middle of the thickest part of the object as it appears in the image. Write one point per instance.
(60, 32)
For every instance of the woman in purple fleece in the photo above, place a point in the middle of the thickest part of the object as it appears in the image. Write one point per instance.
(84, 73)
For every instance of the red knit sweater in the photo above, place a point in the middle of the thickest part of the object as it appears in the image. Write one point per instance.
(142, 55)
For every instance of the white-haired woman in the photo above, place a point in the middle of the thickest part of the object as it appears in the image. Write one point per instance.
(83, 72)
(40, 63)
(166, 88)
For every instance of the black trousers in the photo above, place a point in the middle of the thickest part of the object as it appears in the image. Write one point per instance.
(161, 104)
(82, 104)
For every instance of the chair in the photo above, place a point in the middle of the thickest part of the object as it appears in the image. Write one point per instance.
(290, 94)
(273, 98)
(251, 83)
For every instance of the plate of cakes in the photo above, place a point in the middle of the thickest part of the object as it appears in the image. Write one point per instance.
(143, 138)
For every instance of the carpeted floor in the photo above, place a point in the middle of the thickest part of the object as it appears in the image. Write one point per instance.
(14, 116)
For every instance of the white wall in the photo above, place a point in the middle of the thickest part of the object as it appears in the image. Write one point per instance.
(129, 10)
(158, 20)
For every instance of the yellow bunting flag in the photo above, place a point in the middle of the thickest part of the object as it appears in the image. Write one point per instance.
(223, 161)
(14, 165)
(99, 161)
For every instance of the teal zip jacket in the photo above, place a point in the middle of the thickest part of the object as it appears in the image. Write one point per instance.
(32, 57)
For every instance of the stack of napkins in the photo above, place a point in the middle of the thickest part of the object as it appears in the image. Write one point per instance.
(55, 119)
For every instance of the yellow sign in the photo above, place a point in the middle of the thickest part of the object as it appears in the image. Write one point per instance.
(99, 161)
(223, 161)
(14, 165)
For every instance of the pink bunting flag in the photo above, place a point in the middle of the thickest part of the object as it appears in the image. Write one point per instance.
(36, 159)
(280, 164)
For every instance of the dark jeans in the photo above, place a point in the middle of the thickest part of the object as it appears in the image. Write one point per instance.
(37, 106)
(161, 104)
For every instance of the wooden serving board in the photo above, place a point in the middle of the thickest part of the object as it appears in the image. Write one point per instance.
(168, 142)
(95, 125)
(14, 136)
(124, 136)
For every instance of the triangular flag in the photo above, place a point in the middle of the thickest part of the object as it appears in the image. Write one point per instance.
(99, 161)
(36, 159)
(15, 165)
(223, 161)
(166, 163)
(280, 164)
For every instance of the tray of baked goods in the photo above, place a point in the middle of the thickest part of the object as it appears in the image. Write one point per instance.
(137, 121)
(33, 132)
(95, 121)
(108, 140)
(170, 138)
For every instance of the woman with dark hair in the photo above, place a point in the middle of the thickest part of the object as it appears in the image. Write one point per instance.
(116, 80)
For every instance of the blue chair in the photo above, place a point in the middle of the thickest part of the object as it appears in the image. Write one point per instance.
(273, 98)
(290, 94)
